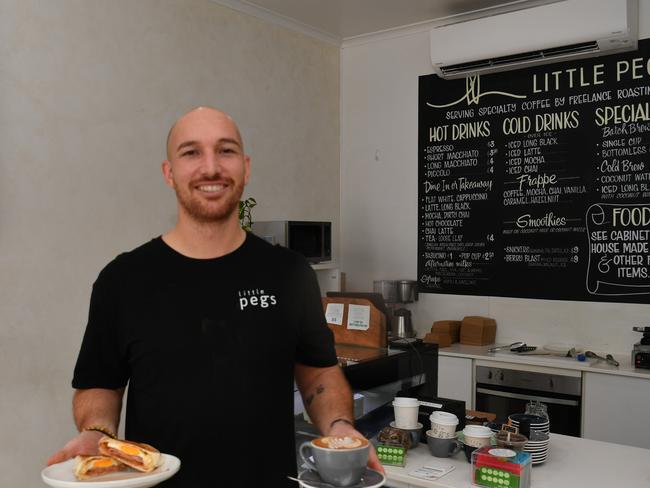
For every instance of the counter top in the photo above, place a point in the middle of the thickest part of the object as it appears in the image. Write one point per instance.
(572, 461)
(481, 352)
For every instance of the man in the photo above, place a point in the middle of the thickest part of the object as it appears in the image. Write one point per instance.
(209, 326)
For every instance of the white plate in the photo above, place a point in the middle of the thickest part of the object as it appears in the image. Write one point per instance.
(536, 451)
(538, 455)
(533, 426)
(62, 476)
(561, 348)
(545, 430)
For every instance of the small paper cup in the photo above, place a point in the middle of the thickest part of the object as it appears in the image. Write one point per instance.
(477, 435)
(406, 412)
(443, 425)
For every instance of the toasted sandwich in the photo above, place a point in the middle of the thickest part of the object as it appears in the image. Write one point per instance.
(88, 467)
(139, 456)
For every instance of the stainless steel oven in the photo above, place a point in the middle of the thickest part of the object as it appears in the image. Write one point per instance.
(503, 391)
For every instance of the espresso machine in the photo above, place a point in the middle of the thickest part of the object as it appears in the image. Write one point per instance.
(397, 294)
(641, 350)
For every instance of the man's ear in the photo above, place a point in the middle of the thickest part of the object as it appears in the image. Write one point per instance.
(166, 168)
(247, 169)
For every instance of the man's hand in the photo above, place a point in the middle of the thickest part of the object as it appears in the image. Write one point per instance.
(94, 406)
(84, 444)
(343, 429)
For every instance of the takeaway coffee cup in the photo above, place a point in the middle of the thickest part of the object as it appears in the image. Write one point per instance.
(406, 412)
(477, 435)
(443, 424)
(340, 461)
(442, 448)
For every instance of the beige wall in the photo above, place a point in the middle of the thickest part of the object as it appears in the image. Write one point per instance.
(379, 117)
(88, 90)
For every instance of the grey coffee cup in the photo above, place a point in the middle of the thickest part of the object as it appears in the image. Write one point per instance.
(443, 448)
(339, 467)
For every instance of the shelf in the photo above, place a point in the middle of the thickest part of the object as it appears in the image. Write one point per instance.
(325, 265)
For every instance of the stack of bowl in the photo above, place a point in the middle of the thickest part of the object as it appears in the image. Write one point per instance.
(537, 446)
(535, 422)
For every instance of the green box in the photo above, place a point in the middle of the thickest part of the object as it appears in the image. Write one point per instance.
(391, 455)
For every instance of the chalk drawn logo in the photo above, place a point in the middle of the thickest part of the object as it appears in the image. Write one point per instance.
(473, 93)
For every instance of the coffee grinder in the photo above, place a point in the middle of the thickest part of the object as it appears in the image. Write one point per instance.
(397, 294)
(641, 350)
(388, 291)
(402, 326)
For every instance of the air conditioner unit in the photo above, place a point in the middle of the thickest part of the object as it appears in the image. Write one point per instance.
(535, 33)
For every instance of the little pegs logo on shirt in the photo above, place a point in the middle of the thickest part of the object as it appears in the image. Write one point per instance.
(255, 298)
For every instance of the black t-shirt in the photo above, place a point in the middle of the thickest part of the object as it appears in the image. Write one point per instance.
(208, 348)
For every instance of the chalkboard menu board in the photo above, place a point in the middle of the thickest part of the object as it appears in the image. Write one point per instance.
(535, 183)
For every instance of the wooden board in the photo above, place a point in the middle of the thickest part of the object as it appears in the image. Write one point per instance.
(348, 354)
(375, 336)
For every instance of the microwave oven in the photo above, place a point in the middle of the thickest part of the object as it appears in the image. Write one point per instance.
(311, 239)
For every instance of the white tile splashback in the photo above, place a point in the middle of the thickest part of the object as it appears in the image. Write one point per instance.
(539, 322)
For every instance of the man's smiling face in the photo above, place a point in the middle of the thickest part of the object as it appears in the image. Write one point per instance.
(206, 165)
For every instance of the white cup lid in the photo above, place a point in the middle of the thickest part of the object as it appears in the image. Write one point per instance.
(477, 431)
(444, 418)
(406, 401)
(443, 415)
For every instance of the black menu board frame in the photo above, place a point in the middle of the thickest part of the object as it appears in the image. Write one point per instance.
(535, 183)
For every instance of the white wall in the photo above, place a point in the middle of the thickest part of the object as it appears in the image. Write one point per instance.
(88, 90)
(379, 95)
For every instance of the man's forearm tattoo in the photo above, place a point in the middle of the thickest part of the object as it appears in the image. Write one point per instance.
(319, 389)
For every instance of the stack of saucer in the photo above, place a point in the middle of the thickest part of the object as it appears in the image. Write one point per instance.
(536, 422)
(537, 446)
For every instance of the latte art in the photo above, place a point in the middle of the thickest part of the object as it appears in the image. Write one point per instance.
(333, 442)
(340, 460)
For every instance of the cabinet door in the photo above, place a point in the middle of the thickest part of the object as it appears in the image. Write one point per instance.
(455, 379)
(616, 409)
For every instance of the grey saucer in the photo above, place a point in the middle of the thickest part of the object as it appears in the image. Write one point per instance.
(370, 479)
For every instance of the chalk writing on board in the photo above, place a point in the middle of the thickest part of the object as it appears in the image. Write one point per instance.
(527, 180)
(619, 249)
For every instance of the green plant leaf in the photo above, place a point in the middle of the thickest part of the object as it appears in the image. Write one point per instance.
(245, 215)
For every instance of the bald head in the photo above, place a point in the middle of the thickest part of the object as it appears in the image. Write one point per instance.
(198, 117)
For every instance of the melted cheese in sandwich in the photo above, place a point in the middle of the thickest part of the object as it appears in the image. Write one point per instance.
(102, 463)
(125, 448)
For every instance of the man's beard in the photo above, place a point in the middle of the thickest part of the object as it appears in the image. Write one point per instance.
(211, 212)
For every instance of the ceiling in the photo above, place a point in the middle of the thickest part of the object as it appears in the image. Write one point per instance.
(337, 20)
